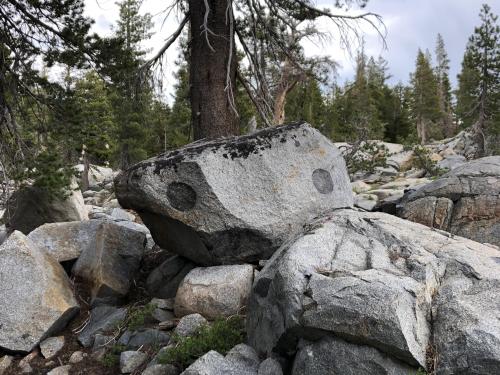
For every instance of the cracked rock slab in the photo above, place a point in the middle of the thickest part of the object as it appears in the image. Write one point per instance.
(235, 200)
(376, 280)
(464, 201)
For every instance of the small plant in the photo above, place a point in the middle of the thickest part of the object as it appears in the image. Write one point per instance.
(138, 316)
(421, 371)
(366, 156)
(112, 357)
(422, 160)
(221, 336)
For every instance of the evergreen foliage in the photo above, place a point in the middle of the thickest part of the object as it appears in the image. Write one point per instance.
(424, 98)
(478, 96)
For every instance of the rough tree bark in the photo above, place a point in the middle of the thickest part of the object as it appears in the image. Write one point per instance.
(212, 114)
(289, 78)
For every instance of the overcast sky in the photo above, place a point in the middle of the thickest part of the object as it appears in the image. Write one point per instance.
(411, 24)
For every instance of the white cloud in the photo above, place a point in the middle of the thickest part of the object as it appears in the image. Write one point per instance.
(411, 24)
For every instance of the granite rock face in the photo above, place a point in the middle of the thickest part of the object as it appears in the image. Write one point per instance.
(464, 202)
(235, 200)
(36, 296)
(373, 279)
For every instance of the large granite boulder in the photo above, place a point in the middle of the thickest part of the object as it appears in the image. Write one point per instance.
(235, 200)
(36, 296)
(109, 259)
(375, 280)
(465, 201)
(30, 207)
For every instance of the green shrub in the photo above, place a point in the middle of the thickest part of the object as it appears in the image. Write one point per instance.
(112, 357)
(221, 336)
(137, 316)
(422, 160)
(366, 156)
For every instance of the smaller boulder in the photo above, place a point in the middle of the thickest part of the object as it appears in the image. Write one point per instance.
(31, 207)
(51, 346)
(61, 370)
(215, 292)
(270, 366)
(109, 261)
(144, 337)
(77, 357)
(161, 370)
(5, 363)
(102, 319)
(36, 296)
(190, 324)
(212, 363)
(131, 361)
(119, 214)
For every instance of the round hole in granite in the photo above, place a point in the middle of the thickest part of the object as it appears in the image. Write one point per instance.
(322, 181)
(181, 196)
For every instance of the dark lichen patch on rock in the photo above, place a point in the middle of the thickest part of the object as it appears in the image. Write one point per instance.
(234, 147)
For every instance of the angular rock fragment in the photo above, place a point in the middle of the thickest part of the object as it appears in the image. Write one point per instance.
(109, 261)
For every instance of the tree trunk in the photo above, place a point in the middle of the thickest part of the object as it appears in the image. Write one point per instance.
(212, 114)
(287, 82)
(85, 173)
(421, 131)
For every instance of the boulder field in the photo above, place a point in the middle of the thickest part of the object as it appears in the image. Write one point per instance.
(245, 256)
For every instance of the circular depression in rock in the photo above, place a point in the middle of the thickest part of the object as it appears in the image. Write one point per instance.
(181, 196)
(322, 180)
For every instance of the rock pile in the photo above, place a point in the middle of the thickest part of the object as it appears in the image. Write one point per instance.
(258, 232)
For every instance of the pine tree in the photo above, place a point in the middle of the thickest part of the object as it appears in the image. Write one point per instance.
(122, 56)
(479, 83)
(305, 103)
(96, 131)
(365, 115)
(444, 88)
(468, 90)
(425, 100)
